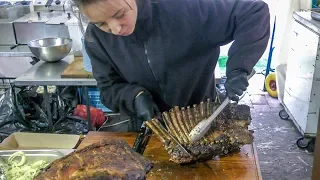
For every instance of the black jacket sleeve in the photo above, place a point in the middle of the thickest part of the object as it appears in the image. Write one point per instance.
(246, 23)
(251, 34)
(115, 92)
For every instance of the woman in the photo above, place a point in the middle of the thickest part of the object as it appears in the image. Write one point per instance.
(150, 54)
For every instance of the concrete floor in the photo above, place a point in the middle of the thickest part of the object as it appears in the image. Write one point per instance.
(275, 139)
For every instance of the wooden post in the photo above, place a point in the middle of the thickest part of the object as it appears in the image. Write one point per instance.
(316, 155)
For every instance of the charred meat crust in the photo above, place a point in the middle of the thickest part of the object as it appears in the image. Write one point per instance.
(107, 159)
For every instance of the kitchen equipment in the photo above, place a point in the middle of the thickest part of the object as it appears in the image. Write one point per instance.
(241, 165)
(25, 140)
(76, 34)
(301, 97)
(51, 49)
(50, 5)
(10, 11)
(38, 25)
(201, 129)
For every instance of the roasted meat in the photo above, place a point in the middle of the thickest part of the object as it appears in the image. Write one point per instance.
(227, 134)
(108, 159)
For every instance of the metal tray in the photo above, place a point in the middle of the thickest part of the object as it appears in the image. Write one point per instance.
(32, 155)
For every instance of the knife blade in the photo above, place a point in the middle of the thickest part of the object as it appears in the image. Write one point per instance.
(202, 128)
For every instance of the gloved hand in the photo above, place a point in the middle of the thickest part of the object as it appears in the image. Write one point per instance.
(144, 107)
(236, 83)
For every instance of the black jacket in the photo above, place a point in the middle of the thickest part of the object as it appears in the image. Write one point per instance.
(174, 50)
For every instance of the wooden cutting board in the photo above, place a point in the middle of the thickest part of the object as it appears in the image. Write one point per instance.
(76, 70)
(243, 165)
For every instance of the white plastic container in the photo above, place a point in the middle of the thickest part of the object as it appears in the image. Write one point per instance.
(75, 35)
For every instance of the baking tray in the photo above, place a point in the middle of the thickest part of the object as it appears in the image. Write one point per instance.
(33, 155)
(34, 141)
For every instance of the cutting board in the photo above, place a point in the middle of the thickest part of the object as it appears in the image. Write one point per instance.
(242, 165)
(76, 70)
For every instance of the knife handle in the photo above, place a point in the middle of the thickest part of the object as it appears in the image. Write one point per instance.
(142, 139)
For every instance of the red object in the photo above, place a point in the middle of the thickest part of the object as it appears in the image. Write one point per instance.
(96, 115)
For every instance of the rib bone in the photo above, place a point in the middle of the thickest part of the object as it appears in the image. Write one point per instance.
(181, 123)
(186, 120)
(176, 125)
(191, 117)
(168, 121)
(157, 131)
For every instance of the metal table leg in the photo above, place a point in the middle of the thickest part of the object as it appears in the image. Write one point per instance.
(48, 107)
(88, 108)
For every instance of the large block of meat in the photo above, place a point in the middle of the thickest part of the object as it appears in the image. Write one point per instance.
(227, 134)
(108, 159)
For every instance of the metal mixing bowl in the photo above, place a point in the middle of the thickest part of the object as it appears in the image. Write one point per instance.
(50, 49)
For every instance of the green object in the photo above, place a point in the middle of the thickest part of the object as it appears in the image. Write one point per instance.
(222, 61)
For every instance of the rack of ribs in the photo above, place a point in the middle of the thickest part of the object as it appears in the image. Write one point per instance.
(227, 133)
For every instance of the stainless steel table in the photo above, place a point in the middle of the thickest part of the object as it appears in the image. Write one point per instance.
(44, 73)
(19, 51)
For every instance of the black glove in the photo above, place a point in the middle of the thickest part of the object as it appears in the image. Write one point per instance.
(144, 107)
(237, 82)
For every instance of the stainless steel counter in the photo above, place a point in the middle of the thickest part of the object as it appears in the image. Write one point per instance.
(19, 51)
(306, 20)
(44, 73)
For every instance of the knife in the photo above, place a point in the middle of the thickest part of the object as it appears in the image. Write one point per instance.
(142, 139)
(202, 128)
